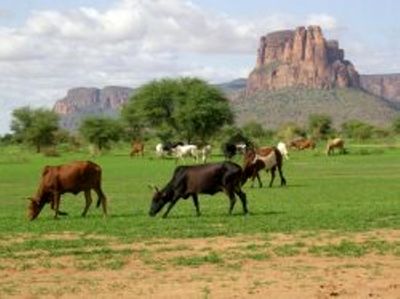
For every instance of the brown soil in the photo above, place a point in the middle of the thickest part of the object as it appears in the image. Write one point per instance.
(161, 275)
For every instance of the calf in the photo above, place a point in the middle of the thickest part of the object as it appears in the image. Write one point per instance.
(283, 149)
(68, 178)
(205, 153)
(268, 158)
(205, 179)
(302, 143)
(337, 143)
(137, 149)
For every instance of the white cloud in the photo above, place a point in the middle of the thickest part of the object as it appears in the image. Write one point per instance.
(129, 43)
(325, 21)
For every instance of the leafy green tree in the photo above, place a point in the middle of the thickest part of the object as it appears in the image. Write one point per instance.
(100, 131)
(34, 126)
(357, 129)
(188, 107)
(289, 131)
(396, 125)
(320, 126)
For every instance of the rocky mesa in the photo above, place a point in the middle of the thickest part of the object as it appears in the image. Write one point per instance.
(300, 58)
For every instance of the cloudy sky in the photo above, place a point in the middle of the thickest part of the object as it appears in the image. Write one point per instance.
(48, 47)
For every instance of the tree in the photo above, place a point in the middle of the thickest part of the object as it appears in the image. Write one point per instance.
(189, 107)
(320, 126)
(357, 129)
(34, 126)
(256, 130)
(289, 131)
(100, 131)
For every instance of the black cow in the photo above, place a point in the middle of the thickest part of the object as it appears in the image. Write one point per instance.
(236, 143)
(206, 179)
(169, 146)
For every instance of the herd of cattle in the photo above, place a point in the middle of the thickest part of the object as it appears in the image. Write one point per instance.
(187, 181)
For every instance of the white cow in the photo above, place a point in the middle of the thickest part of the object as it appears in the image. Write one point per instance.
(205, 153)
(182, 151)
(282, 148)
(159, 150)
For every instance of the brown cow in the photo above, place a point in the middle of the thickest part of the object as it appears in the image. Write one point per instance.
(302, 143)
(268, 158)
(335, 143)
(68, 178)
(137, 148)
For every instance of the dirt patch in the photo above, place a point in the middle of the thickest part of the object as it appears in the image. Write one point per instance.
(270, 266)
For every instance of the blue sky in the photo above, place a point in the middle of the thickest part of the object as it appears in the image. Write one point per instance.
(48, 47)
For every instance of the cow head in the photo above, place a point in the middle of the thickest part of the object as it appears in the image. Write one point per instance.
(160, 199)
(37, 203)
(35, 207)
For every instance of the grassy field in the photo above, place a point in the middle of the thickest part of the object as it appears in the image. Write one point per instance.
(358, 191)
(327, 204)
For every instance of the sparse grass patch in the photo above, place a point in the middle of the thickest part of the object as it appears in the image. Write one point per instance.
(195, 261)
(287, 250)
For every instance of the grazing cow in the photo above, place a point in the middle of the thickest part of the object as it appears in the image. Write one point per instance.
(268, 158)
(205, 153)
(164, 149)
(282, 148)
(205, 179)
(137, 148)
(337, 143)
(236, 143)
(302, 143)
(68, 178)
(182, 151)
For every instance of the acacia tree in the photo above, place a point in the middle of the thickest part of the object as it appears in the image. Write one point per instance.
(320, 125)
(189, 107)
(34, 126)
(100, 131)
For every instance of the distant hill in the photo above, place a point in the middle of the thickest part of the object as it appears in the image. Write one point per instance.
(274, 108)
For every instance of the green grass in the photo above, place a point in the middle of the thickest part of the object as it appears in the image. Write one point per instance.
(354, 192)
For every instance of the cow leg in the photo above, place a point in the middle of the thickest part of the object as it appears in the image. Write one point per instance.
(273, 169)
(243, 199)
(283, 180)
(88, 199)
(56, 204)
(196, 204)
(101, 198)
(170, 206)
(232, 201)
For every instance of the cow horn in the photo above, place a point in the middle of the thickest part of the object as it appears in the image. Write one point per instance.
(153, 187)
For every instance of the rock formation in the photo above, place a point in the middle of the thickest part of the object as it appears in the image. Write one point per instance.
(386, 86)
(83, 98)
(82, 102)
(300, 58)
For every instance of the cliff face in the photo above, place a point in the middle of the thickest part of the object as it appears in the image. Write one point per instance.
(82, 102)
(300, 58)
(82, 98)
(383, 86)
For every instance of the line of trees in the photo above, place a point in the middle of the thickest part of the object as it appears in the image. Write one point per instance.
(186, 109)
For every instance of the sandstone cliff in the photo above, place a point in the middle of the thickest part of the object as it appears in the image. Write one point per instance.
(385, 86)
(300, 58)
(82, 102)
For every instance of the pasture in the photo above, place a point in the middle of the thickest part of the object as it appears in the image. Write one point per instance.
(338, 211)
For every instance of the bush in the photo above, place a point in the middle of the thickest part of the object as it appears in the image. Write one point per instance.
(357, 130)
